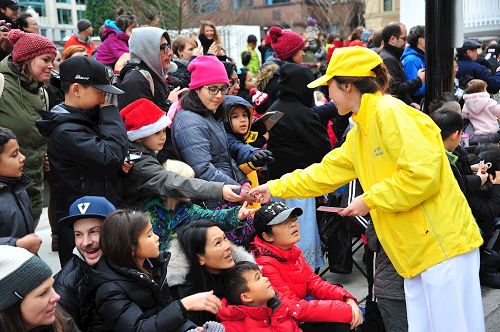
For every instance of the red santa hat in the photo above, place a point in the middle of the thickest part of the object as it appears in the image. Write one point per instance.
(143, 118)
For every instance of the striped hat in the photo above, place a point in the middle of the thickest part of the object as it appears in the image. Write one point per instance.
(20, 273)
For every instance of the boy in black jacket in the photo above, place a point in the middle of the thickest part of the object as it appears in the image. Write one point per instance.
(87, 141)
(16, 220)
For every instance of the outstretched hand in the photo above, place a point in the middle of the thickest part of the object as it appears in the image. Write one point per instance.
(229, 193)
(357, 207)
(261, 194)
(243, 213)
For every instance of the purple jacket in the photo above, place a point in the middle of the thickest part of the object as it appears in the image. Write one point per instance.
(112, 48)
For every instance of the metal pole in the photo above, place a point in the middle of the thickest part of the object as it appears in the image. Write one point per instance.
(439, 22)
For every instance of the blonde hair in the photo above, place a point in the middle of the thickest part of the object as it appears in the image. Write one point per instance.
(180, 43)
(71, 50)
(475, 86)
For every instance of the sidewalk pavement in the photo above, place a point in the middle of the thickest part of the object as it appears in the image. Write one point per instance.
(354, 282)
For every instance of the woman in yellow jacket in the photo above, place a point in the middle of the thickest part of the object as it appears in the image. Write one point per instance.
(421, 217)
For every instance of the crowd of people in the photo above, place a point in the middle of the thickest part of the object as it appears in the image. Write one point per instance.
(184, 190)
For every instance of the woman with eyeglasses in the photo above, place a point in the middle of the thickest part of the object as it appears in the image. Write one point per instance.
(198, 133)
(27, 23)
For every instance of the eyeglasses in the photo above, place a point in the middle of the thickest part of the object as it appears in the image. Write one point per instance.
(165, 47)
(235, 81)
(213, 90)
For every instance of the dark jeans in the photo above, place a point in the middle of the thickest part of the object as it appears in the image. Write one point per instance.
(393, 314)
(66, 239)
(324, 327)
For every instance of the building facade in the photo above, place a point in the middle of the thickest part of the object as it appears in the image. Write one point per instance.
(57, 18)
(379, 13)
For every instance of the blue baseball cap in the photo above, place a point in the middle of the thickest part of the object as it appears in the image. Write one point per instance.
(88, 207)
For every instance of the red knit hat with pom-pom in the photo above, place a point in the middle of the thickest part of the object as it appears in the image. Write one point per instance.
(26, 46)
(285, 43)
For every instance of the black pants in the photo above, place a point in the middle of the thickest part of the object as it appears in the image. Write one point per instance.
(325, 327)
(66, 239)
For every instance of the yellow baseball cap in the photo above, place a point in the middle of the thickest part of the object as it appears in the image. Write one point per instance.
(355, 61)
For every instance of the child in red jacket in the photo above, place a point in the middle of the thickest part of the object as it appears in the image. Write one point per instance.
(250, 303)
(277, 232)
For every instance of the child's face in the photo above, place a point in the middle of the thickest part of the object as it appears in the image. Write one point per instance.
(239, 120)
(286, 234)
(90, 97)
(259, 289)
(11, 160)
(156, 141)
(148, 244)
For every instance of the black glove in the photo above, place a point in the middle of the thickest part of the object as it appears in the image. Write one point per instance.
(262, 157)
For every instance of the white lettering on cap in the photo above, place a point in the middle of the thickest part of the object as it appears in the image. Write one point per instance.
(78, 77)
(83, 207)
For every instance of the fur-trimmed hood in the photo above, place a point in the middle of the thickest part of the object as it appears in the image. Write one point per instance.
(265, 75)
(178, 266)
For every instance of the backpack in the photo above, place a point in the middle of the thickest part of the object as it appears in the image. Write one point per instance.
(116, 81)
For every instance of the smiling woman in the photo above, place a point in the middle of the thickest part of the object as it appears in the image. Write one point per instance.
(24, 73)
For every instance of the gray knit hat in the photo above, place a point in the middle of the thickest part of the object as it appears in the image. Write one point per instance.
(20, 273)
(83, 24)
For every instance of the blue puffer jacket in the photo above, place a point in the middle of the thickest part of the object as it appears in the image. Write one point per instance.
(201, 142)
(413, 60)
(467, 67)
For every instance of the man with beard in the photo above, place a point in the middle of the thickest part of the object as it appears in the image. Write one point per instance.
(86, 215)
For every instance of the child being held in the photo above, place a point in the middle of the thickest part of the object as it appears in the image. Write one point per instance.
(250, 302)
(482, 111)
(277, 231)
(16, 220)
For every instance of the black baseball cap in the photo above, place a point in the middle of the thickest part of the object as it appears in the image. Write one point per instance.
(273, 214)
(470, 44)
(12, 4)
(84, 70)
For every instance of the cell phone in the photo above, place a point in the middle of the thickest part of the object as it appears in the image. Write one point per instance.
(133, 156)
(333, 209)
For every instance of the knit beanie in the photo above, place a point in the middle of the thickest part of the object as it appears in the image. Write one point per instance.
(143, 118)
(206, 70)
(285, 43)
(26, 46)
(83, 24)
(20, 273)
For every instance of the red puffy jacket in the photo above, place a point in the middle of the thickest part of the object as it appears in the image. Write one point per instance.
(239, 318)
(293, 280)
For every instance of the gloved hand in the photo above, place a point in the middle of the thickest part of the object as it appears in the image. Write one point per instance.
(262, 157)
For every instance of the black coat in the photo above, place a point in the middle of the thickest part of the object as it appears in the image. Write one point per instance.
(148, 178)
(298, 139)
(86, 151)
(16, 219)
(129, 300)
(72, 283)
(181, 77)
(399, 87)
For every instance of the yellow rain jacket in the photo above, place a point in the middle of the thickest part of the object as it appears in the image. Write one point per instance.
(419, 212)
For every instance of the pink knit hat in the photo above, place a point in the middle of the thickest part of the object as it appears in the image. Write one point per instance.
(206, 70)
(285, 43)
(26, 46)
(143, 118)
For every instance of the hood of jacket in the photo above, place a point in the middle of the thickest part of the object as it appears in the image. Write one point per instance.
(230, 312)
(228, 104)
(9, 69)
(108, 31)
(476, 102)
(144, 46)
(179, 266)
(259, 248)
(413, 52)
(60, 114)
(293, 82)
(265, 74)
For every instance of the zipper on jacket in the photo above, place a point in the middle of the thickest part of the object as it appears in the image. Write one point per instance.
(434, 231)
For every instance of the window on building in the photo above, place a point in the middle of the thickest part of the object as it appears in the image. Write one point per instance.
(206, 6)
(63, 34)
(80, 14)
(63, 1)
(43, 32)
(237, 4)
(64, 16)
(37, 5)
(81, 2)
(387, 5)
(274, 2)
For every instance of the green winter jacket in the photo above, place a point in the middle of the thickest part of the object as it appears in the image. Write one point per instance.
(254, 64)
(21, 102)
